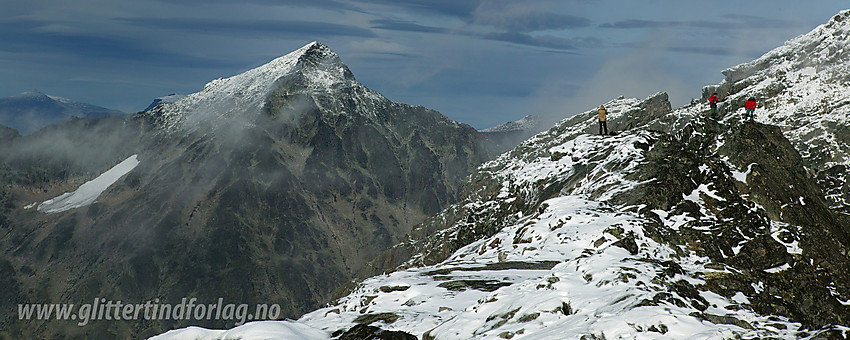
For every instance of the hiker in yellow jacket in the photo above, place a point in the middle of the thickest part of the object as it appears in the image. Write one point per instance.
(603, 118)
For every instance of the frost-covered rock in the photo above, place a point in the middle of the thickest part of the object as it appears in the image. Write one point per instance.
(803, 87)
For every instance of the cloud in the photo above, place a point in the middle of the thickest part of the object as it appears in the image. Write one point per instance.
(519, 38)
(405, 26)
(294, 28)
(737, 22)
(546, 41)
(321, 4)
(535, 21)
(451, 8)
(709, 50)
(379, 47)
(31, 37)
(526, 16)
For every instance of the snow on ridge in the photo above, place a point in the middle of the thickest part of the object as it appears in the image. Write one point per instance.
(247, 91)
(88, 192)
(242, 92)
(803, 88)
(251, 330)
(826, 35)
(592, 286)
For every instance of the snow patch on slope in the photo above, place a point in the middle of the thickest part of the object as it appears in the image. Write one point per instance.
(88, 192)
(252, 330)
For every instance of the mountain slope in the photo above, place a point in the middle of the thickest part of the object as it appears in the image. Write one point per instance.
(30, 111)
(273, 185)
(647, 234)
(803, 87)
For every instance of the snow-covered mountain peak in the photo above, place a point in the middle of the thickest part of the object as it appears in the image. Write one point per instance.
(31, 95)
(315, 66)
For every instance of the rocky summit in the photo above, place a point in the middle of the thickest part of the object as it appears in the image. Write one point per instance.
(275, 185)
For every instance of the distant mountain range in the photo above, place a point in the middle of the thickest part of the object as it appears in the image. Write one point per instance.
(32, 110)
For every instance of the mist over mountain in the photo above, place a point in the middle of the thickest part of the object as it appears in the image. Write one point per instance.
(275, 185)
(30, 111)
(679, 226)
(508, 134)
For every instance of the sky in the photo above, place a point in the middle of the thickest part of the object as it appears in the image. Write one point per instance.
(481, 62)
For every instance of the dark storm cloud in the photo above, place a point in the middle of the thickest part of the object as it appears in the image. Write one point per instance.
(24, 37)
(276, 28)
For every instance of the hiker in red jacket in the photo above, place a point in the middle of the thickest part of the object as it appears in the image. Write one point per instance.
(751, 107)
(712, 102)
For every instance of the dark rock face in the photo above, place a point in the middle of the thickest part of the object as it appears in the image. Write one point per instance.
(278, 206)
(366, 332)
(741, 238)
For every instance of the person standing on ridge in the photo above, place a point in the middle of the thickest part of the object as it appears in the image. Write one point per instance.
(750, 105)
(712, 102)
(603, 120)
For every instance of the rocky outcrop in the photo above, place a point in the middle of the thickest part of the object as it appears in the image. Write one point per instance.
(802, 88)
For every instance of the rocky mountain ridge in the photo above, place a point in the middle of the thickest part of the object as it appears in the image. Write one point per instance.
(803, 88)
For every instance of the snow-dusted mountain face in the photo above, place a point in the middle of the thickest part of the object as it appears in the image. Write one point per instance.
(30, 111)
(164, 100)
(803, 87)
(659, 232)
(271, 186)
